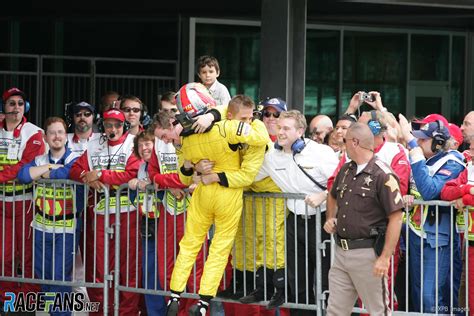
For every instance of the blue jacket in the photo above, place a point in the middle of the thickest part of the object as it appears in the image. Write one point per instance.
(60, 173)
(429, 186)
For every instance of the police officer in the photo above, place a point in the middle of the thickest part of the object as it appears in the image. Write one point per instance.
(364, 214)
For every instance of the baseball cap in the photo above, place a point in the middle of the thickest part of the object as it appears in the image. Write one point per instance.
(432, 118)
(429, 130)
(194, 99)
(83, 106)
(11, 92)
(276, 103)
(114, 114)
(455, 132)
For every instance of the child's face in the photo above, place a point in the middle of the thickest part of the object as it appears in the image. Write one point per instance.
(208, 75)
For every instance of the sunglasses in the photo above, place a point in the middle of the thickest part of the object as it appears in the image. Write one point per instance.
(113, 125)
(274, 114)
(12, 103)
(81, 114)
(171, 110)
(134, 110)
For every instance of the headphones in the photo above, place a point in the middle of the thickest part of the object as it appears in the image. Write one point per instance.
(27, 106)
(439, 139)
(296, 147)
(69, 114)
(374, 124)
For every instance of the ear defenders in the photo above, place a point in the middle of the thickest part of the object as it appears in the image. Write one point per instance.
(296, 147)
(439, 139)
(27, 106)
(374, 124)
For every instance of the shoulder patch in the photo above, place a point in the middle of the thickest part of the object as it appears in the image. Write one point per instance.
(445, 172)
(382, 165)
(243, 129)
(36, 142)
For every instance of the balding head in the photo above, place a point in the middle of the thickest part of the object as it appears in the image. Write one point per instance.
(467, 127)
(319, 127)
(359, 143)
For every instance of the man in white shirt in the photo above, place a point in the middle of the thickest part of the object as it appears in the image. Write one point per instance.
(299, 165)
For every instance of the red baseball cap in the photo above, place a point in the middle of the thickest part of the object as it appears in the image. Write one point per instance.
(114, 114)
(455, 132)
(433, 118)
(11, 92)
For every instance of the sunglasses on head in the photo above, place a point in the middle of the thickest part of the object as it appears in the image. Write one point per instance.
(81, 114)
(134, 110)
(274, 114)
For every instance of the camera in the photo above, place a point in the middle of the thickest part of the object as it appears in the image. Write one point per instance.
(364, 96)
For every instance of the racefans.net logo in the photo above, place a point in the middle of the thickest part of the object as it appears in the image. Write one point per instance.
(48, 302)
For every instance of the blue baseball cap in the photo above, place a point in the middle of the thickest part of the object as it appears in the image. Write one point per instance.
(429, 130)
(83, 106)
(276, 103)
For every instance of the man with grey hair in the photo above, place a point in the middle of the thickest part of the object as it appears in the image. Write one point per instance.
(320, 126)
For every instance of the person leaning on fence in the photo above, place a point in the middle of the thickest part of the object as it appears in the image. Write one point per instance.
(57, 206)
(163, 171)
(432, 166)
(461, 192)
(299, 165)
(81, 117)
(241, 108)
(364, 212)
(20, 143)
(212, 204)
(150, 207)
(109, 161)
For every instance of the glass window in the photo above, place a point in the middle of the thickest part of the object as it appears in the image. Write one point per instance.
(322, 73)
(375, 62)
(457, 80)
(429, 57)
(237, 48)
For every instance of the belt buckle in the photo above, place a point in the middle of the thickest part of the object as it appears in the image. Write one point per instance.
(344, 244)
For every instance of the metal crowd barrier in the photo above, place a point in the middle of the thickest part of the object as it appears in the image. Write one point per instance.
(27, 265)
(256, 246)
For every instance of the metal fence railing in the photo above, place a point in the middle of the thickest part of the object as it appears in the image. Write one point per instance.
(50, 81)
(129, 247)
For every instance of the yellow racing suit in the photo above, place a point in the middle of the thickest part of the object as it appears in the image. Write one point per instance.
(213, 203)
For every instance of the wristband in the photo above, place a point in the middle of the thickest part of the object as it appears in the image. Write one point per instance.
(412, 144)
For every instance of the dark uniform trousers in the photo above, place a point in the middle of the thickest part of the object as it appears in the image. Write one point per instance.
(301, 259)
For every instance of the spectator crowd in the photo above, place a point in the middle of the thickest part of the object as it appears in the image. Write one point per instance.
(201, 152)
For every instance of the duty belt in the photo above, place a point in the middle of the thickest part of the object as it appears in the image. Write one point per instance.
(348, 244)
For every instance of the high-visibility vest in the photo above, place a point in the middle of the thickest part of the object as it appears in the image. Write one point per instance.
(54, 203)
(168, 163)
(101, 156)
(12, 189)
